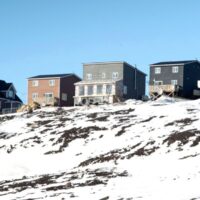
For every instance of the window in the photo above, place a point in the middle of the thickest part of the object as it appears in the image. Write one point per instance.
(90, 90)
(35, 83)
(158, 82)
(48, 95)
(81, 90)
(108, 89)
(99, 89)
(175, 69)
(89, 76)
(125, 90)
(10, 94)
(64, 96)
(198, 84)
(174, 82)
(157, 70)
(34, 96)
(115, 75)
(51, 82)
(103, 75)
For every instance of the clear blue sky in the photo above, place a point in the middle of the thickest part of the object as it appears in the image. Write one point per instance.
(57, 36)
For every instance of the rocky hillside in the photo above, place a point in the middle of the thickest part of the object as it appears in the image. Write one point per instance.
(124, 151)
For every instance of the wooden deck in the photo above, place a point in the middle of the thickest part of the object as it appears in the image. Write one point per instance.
(160, 89)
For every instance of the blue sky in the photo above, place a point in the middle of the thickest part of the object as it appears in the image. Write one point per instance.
(57, 36)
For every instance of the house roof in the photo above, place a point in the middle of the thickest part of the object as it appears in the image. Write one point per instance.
(4, 85)
(182, 62)
(51, 76)
(114, 62)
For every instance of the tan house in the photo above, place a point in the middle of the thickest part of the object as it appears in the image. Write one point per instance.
(54, 89)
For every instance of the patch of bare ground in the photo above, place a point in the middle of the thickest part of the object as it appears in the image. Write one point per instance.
(185, 122)
(113, 155)
(183, 137)
(196, 141)
(94, 117)
(7, 135)
(104, 198)
(123, 112)
(69, 180)
(123, 130)
(6, 118)
(23, 184)
(34, 139)
(147, 120)
(144, 151)
(72, 134)
(189, 156)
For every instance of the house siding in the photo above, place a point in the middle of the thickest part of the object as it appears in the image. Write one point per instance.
(97, 69)
(135, 82)
(67, 86)
(166, 75)
(43, 88)
(191, 76)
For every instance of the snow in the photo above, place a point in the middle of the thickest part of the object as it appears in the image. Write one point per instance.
(129, 140)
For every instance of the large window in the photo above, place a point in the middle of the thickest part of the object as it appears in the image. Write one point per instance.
(158, 82)
(81, 90)
(125, 90)
(51, 82)
(157, 70)
(108, 89)
(34, 96)
(115, 75)
(64, 96)
(90, 90)
(35, 83)
(48, 95)
(174, 82)
(103, 75)
(175, 69)
(99, 89)
(89, 76)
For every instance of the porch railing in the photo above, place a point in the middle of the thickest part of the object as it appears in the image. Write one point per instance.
(43, 101)
(161, 88)
(9, 110)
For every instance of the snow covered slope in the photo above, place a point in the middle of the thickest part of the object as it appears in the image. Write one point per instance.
(124, 151)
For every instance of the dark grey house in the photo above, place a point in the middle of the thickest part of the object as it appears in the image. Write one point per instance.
(174, 78)
(9, 101)
(109, 82)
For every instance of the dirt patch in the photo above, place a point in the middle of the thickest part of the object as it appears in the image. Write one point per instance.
(181, 137)
(6, 118)
(123, 130)
(185, 122)
(34, 139)
(113, 155)
(148, 120)
(196, 142)
(123, 112)
(72, 134)
(104, 198)
(22, 184)
(190, 156)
